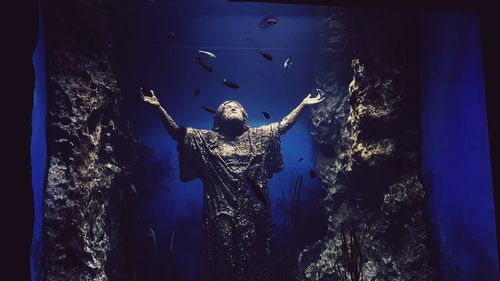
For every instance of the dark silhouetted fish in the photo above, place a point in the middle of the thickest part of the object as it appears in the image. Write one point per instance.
(204, 64)
(312, 174)
(288, 62)
(266, 115)
(208, 109)
(267, 22)
(229, 84)
(266, 56)
(300, 159)
(197, 92)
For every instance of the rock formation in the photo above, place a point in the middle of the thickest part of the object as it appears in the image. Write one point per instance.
(85, 182)
(368, 137)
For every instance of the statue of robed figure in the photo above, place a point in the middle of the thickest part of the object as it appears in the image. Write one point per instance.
(235, 163)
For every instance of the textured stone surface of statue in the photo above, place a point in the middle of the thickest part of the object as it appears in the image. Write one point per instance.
(236, 211)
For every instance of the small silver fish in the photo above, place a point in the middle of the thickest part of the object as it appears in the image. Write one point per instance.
(267, 22)
(288, 63)
(207, 53)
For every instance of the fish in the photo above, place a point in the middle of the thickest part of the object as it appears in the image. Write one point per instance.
(312, 174)
(230, 84)
(204, 64)
(197, 92)
(267, 22)
(300, 159)
(208, 109)
(266, 56)
(207, 53)
(288, 62)
(266, 115)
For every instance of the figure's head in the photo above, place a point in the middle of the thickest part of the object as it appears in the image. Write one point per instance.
(230, 114)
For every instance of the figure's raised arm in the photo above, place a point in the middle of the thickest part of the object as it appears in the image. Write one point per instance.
(290, 119)
(168, 122)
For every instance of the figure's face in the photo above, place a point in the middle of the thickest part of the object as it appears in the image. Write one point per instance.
(233, 111)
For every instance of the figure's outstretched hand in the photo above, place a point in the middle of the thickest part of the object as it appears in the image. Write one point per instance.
(153, 100)
(313, 100)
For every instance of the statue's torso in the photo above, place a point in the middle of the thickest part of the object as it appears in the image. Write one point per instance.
(236, 153)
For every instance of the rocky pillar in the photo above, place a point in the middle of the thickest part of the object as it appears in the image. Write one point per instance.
(81, 221)
(368, 137)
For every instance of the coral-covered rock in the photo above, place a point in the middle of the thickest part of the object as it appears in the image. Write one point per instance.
(81, 220)
(368, 136)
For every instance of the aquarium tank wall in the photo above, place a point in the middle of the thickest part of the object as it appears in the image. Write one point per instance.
(356, 148)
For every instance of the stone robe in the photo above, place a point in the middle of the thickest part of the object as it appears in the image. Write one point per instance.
(236, 207)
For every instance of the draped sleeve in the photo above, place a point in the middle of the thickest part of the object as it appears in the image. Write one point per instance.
(271, 142)
(189, 149)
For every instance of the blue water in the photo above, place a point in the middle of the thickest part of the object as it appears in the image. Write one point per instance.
(456, 164)
(38, 149)
(232, 32)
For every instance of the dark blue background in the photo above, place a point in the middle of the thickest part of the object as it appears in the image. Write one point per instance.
(456, 163)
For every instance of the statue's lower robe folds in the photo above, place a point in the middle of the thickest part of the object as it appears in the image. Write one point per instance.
(236, 210)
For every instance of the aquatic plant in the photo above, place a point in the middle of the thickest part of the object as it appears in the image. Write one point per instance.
(289, 204)
(350, 266)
